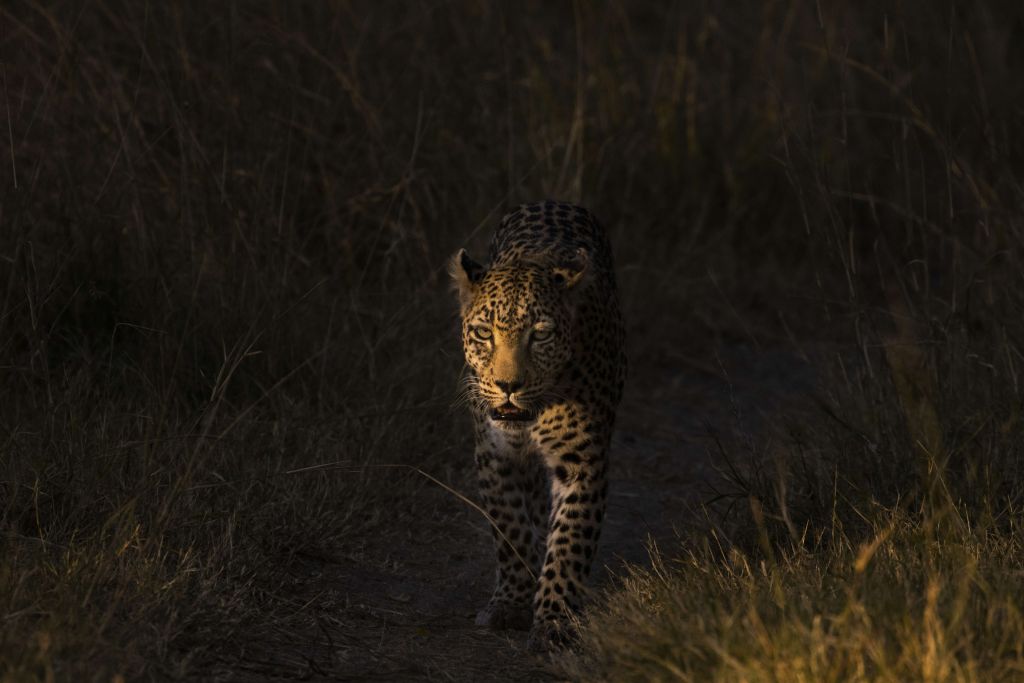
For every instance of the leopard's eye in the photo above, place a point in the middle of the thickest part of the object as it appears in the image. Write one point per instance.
(481, 333)
(542, 334)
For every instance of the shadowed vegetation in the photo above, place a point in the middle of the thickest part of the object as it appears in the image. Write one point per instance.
(224, 316)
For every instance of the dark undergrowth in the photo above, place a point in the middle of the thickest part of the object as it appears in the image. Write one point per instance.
(876, 536)
(224, 316)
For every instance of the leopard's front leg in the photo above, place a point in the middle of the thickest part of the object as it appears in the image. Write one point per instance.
(506, 488)
(579, 491)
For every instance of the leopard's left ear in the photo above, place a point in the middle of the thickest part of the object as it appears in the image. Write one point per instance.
(572, 272)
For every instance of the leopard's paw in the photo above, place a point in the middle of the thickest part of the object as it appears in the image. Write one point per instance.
(551, 634)
(499, 616)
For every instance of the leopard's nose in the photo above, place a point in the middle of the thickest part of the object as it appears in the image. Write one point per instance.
(510, 387)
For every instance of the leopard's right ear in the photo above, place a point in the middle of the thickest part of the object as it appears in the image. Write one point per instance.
(467, 274)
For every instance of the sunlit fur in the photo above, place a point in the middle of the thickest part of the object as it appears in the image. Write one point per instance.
(512, 302)
(544, 344)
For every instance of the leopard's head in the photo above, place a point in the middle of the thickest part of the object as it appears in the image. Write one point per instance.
(518, 331)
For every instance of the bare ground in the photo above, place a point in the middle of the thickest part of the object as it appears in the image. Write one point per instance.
(401, 605)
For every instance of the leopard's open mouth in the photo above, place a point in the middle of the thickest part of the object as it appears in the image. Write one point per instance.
(511, 413)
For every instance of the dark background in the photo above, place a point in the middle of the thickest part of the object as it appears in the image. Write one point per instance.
(223, 235)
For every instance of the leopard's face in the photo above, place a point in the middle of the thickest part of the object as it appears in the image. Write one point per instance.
(518, 336)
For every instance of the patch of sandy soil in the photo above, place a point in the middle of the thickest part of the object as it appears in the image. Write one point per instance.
(403, 609)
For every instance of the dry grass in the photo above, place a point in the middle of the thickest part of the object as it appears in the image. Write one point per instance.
(877, 537)
(909, 604)
(222, 238)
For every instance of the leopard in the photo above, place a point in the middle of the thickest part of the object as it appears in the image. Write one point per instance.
(545, 365)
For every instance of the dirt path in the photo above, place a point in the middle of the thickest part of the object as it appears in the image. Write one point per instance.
(407, 605)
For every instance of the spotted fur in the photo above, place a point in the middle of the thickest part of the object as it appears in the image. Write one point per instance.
(544, 345)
